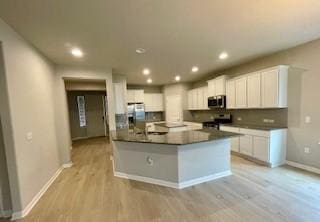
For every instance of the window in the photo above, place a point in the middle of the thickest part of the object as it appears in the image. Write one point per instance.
(82, 111)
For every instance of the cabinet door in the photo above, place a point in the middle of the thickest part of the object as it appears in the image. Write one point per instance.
(148, 102)
(235, 144)
(159, 102)
(130, 96)
(261, 148)
(254, 90)
(270, 88)
(205, 98)
(241, 92)
(231, 94)
(211, 88)
(139, 96)
(220, 86)
(119, 96)
(246, 145)
(190, 100)
(199, 98)
(194, 99)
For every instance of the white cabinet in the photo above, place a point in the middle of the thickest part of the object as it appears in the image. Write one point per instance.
(261, 148)
(231, 94)
(254, 90)
(135, 96)
(153, 102)
(268, 146)
(241, 92)
(198, 98)
(217, 86)
(235, 141)
(246, 145)
(274, 87)
(119, 92)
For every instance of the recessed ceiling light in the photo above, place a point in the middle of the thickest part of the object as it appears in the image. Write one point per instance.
(177, 78)
(149, 80)
(223, 55)
(146, 72)
(195, 69)
(140, 50)
(76, 52)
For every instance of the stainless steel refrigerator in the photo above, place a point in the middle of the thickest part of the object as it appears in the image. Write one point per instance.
(136, 115)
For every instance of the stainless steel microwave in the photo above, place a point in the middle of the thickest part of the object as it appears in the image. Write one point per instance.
(217, 102)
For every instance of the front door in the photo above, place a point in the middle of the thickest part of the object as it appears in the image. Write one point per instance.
(95, 115)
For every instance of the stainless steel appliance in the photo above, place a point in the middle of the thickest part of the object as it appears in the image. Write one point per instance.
(217, 102)
(218, 119)
(136, 115)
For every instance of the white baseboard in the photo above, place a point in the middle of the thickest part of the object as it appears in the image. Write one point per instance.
(5, 214)
(303, 167)
(173, 184)
(34, 201)
(67, 165)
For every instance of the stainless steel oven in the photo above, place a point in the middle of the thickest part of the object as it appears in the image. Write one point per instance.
(217, 102)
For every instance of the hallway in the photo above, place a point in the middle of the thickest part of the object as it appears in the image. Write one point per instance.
(89, 192)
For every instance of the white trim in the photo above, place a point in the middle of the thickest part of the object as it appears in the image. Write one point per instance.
(67, 165)
(204, 179)
(173, 184)
(303, 167)
(5, 214)
(34, 201)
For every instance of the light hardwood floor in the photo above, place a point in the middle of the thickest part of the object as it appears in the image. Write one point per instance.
(88, 192)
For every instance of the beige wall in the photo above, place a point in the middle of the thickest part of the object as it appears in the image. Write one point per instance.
(85, 86)
(27, 106)
(147, 89)
(304, 90)
(5, 199)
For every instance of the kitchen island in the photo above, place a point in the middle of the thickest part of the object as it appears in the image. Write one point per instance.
(173, 159)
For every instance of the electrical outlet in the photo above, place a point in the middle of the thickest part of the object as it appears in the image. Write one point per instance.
(268, 120)
(154, 117)
(211, 117)
(239, 118)
(307, 119)
(307, 150)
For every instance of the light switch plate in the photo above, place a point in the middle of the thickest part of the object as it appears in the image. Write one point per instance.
(239, 118)
(308, 119)
(29, 136)
(307, 150)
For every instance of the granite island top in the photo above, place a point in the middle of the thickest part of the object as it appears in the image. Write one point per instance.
(254, 127)
(172, 138)
(170, 125)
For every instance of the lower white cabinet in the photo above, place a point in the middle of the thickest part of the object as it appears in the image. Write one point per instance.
(246, 143)
(268, 146)
(261, 148)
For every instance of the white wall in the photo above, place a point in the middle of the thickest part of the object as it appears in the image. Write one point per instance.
(27, 81)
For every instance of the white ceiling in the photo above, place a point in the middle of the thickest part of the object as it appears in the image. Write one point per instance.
(177, 34)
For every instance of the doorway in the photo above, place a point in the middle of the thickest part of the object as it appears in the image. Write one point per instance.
(87, 114)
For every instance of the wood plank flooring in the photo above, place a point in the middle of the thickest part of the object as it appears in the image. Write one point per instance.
(88, 192)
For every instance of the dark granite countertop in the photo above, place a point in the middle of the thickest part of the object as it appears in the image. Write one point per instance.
(255, 127)
(170, 125)
(172, 138)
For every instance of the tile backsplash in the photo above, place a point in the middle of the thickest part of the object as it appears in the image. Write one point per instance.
(154, 116)
(261, 117)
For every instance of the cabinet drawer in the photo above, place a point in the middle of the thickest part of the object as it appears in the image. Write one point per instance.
(230, 129)
(252, 132)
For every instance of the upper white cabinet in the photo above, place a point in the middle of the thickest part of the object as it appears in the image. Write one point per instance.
(198, 98)
(263, 89)
(231, 94)
(135, 95)
(153, 102)
(254, 90)
(119, 95)
(217, 86)
(241, 92)
(274, 87)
